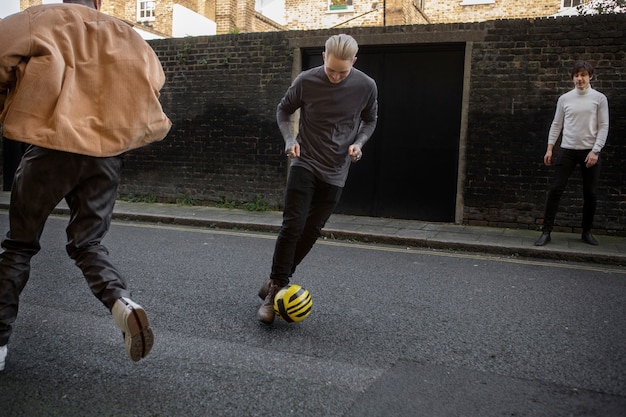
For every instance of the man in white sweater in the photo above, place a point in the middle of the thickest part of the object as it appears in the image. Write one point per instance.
(583, 116)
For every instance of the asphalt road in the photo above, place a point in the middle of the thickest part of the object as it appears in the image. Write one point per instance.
(394, 331)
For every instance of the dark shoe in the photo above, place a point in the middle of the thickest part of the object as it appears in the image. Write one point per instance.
(265, 287)
(131, 319)
(543, 239)
(588, 237)
(266, 311)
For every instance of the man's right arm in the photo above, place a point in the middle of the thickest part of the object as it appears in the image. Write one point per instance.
(14, 47)
(555, 130)
(547, 158)
(284, 125)
(287, 106)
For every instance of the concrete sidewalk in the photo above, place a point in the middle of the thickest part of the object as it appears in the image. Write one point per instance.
(499, 241)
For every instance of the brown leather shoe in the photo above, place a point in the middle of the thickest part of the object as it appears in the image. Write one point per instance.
(266, 311)
(264, 289)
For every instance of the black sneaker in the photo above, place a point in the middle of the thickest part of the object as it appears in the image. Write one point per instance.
(588, 237)
(543, 239)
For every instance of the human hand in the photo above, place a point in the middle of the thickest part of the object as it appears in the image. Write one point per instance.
(547, 158)
(293, 151)
(591, 159)
(355, 153)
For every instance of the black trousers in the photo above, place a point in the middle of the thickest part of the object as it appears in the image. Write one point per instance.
(309, 202)
(12, 152)
(565, 164)
(89, 186)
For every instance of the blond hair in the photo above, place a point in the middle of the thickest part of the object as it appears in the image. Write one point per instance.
(342, 47)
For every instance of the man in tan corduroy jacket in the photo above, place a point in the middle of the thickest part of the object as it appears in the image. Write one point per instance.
(81, 88)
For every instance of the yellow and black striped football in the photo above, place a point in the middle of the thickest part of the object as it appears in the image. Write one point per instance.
(293, 303)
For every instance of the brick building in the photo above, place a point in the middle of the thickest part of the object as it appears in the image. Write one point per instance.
(171, 18)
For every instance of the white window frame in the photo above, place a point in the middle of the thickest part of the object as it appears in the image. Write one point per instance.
(146, 10)
(569, 4)
(475, 2)
(347, 3)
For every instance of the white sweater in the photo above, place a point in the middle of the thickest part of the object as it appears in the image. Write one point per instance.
(583, 115)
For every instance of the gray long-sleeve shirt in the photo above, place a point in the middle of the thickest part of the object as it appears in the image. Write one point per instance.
(332, 117)
(583, 116)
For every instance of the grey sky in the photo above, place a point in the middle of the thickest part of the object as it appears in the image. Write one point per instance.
(8, 7)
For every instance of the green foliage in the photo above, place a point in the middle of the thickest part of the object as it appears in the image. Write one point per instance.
(183, 55)
(132, 198)
(150, 198)
(257, 205)
(602, 7)
(185, 201)
(223, 203)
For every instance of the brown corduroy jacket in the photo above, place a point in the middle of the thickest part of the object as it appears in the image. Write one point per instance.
(77, 80)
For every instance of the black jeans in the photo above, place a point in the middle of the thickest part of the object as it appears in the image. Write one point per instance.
(565, 164)
(309, 202)
(89, 186)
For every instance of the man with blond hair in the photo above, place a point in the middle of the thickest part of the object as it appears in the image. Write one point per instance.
(338, 114)
(80, 88)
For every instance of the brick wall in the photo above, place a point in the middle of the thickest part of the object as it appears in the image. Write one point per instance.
(314, 14)
(518, 73)
(409, 13)
(309, 15)
(445, 11)
(221, 94)
(222, 91)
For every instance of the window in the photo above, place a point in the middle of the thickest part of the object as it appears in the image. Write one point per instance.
(571, 3)
(340, 6)
(145, 10)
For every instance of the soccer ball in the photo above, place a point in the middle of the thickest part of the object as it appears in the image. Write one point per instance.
(293, 303)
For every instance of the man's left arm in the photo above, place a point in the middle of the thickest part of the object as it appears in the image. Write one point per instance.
(603, 125)
(369, 118)
(603, 132)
